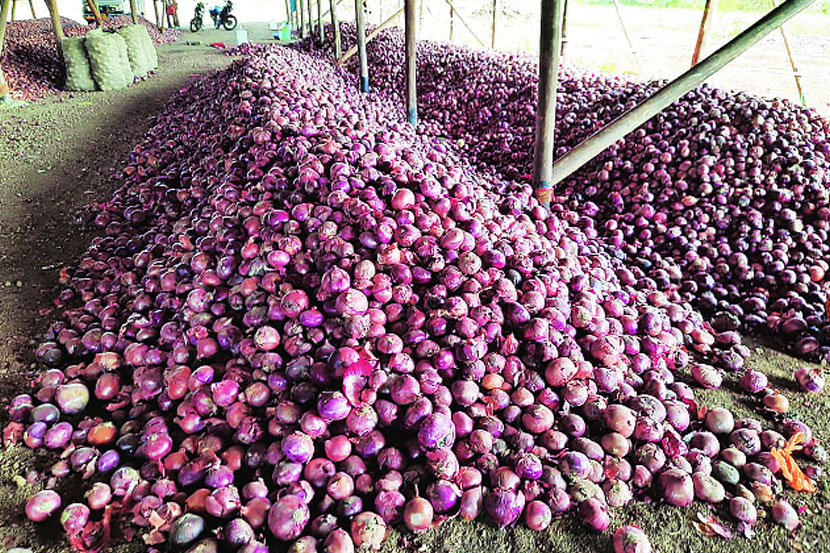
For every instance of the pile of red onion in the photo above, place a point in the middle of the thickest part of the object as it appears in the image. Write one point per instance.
(30, 57)
(720, 201)
(304, 323)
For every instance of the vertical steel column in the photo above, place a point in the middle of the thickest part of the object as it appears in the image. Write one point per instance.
(336, 24)
(549, 37)
(411, 62)
(496, 8)
(361, 45)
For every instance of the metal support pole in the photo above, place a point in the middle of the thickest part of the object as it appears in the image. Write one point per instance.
(301, 6)
(627, 37)
(133, 12)
(549, 37)
(375, 32)
(353, 50)
(14, 10)
(361, 45)
(411, 62)
(705, 25)
(310, 20)
(595, 144)
(461, 19)
(796, 74)
(337, 3)
(496, 8)
(320, 20)
(336, 26)
(564, 30)
(32, 8)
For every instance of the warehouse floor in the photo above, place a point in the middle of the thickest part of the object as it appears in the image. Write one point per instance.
(58, 156)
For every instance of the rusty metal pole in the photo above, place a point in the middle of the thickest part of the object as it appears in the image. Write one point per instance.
(592, 146)
(549, 37)
(496, 8)
(705, 25)
(796, 74)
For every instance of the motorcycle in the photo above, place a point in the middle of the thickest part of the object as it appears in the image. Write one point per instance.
(196, 23)
(222, 16)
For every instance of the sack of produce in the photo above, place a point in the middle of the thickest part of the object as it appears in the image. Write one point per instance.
(136, 49)
(105, 60)
(124, 59)
(151, 47)
(78, 72)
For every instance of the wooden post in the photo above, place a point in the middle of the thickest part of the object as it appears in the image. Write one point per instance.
(452, 15)
(627, 37)
(354, 49)
(310, 20)
(32, 8)
(496, 8)
(411, 62)
(361, 45)
(595, 144)
(93, 6)
(57, 26)
(796, 74)
(705, 24)
(5, 91)
(549, 36)
(301, 9)
(564, 29)
(134, 12)
(156, 13)
(338, 48)
(420, 15)
(461, 19)
(14, 10)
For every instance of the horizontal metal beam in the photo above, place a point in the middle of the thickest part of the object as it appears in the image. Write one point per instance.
(660, 100)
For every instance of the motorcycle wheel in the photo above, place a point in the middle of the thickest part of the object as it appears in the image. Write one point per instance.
(195, 25)
(229, 23)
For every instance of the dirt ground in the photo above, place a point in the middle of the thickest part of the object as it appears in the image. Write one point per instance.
(58, 155)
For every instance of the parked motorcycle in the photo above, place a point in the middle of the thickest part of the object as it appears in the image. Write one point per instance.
(222, 16)
(196, 23)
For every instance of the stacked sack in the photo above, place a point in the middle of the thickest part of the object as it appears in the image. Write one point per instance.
(140, 49)
(78, 71)
(109, 61)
